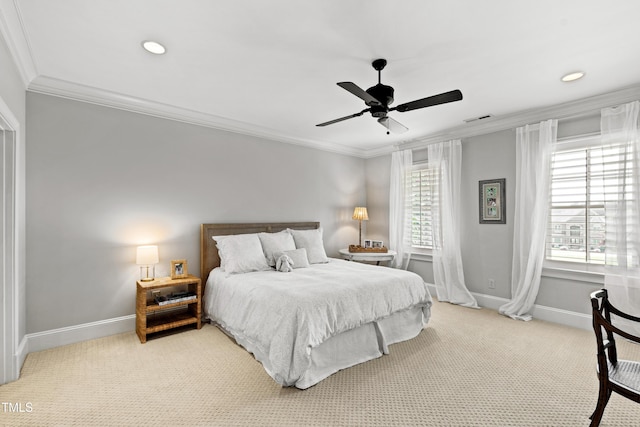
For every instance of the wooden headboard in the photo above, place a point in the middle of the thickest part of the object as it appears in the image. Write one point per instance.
(209, 258)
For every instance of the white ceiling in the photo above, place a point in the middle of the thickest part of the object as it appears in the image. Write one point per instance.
(270, 68)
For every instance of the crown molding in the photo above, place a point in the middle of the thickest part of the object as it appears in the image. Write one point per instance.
(56, 87)
(65, 89)
(12, 31)
(564, 111)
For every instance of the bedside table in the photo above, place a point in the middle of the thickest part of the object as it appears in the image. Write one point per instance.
(152, 317)
(368, 256)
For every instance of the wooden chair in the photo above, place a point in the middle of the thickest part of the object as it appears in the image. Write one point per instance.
(621, 376)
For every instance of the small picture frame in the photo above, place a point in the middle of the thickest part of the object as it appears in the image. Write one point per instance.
(377, 244)
(367, 244)
(493, 201)
(179, 269)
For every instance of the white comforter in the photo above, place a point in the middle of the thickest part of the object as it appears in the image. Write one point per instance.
(280, 317)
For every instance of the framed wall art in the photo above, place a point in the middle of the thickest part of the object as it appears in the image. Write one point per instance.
(493, 206)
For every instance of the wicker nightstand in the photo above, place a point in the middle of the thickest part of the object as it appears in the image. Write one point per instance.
(152, 317)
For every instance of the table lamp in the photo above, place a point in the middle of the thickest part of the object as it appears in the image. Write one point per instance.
(360, 213)
(147, 256)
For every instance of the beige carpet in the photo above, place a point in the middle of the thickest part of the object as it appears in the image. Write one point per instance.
(467, 368)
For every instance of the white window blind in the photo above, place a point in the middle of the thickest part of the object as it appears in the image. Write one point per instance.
(585, 175)
(423, 198)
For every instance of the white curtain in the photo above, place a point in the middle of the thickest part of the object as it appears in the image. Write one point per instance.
(399, 210)
(446, 158)
(534, 146)
(620, 135)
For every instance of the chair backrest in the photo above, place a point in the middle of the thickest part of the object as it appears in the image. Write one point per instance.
(602, 310)
(601, 317)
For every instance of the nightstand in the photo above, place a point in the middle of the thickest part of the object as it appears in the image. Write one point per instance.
(368, 256)
(152, 317)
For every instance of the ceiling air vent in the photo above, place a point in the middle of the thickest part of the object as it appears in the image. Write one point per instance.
(475, 119)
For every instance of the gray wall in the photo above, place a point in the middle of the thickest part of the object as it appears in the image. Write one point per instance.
(101, 181)
(12, 93)
(486, 248)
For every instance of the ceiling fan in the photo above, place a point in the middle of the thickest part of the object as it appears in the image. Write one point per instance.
(379, 97)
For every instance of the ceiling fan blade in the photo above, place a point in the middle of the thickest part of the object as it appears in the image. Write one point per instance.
(359, 92)
(443, 98)
(344, 118)
(392, 125)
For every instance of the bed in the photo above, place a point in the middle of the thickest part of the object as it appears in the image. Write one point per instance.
(319, 315)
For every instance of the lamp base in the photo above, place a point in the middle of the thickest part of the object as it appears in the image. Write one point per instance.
(146, 277)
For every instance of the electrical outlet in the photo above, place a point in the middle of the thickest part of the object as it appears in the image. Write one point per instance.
(492, 284)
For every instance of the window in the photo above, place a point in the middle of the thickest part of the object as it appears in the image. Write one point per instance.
(584, 175)
(422, 199)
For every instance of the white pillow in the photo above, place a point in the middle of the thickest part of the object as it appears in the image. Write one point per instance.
(311, 240)
(273, 243)
(241, 253)
(298, 256)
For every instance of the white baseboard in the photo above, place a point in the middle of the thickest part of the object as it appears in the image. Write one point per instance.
(549, 314)
(57, 337)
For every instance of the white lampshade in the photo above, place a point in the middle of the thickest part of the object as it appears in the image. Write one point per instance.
(147, 255)
(360, 213)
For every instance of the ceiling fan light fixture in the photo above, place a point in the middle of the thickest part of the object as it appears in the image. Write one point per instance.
(573, 76)
(154, 47)
(392, 125)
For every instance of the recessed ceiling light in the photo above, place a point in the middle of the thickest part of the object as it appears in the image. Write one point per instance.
(153, 47)
(576, 75)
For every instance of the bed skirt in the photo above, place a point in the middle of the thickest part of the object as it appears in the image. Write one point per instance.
(352, 347)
